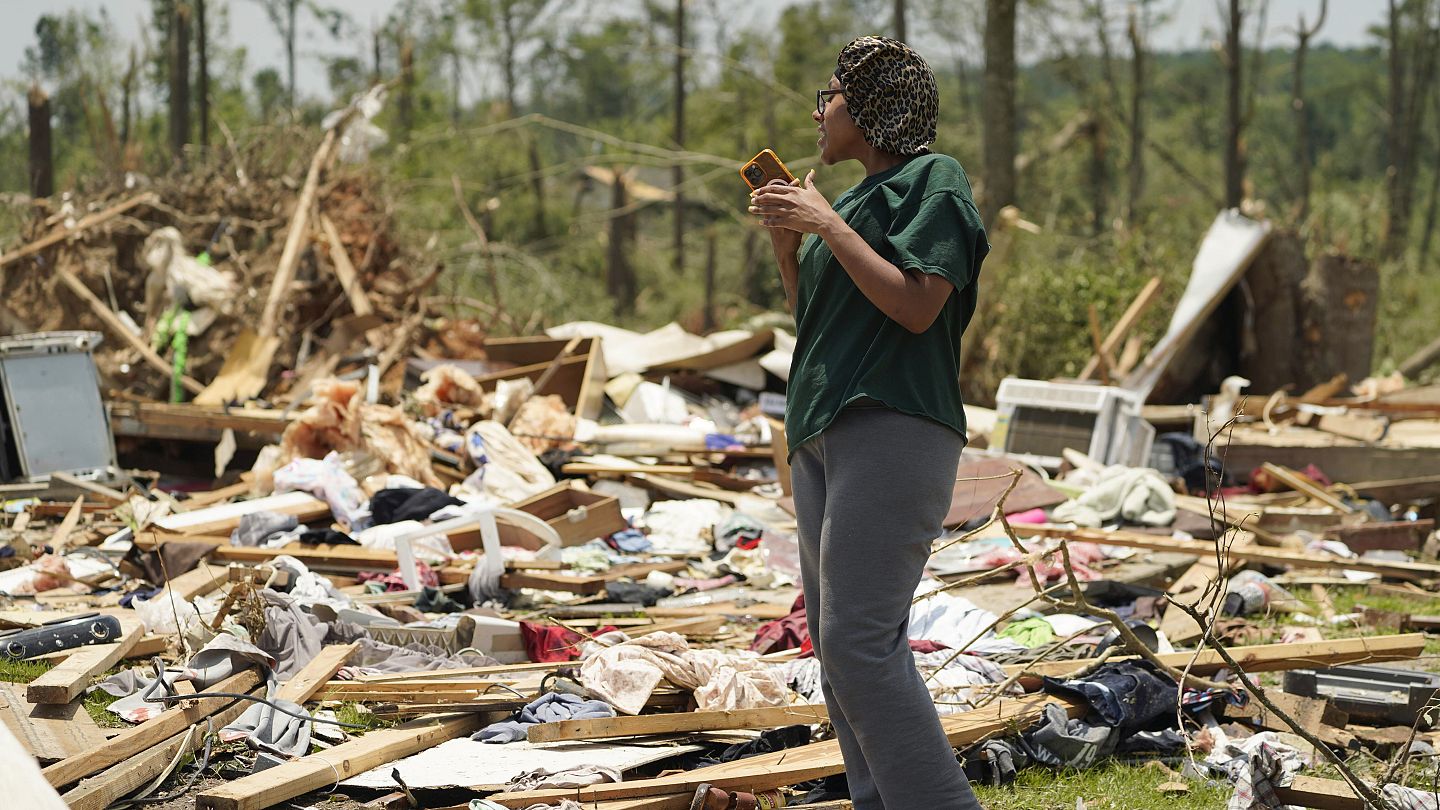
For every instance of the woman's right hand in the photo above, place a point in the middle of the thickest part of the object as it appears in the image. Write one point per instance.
(784, 241)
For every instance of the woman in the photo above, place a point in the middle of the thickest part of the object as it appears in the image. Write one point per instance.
(881, 292)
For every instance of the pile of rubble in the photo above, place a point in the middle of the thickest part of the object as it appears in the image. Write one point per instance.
(556, 570)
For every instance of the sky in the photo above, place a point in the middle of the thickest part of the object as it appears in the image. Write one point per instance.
(1191, 24)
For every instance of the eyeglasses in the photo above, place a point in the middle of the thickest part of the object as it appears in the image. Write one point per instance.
(822, 97)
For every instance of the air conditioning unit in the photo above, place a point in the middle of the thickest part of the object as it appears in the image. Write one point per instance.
(52, 418)
(1036, 420)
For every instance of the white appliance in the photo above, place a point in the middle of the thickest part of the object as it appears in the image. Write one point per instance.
(1036, 420)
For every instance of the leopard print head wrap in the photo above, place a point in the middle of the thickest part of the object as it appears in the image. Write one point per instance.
(891, 93)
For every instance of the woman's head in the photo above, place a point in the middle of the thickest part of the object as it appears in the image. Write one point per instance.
(888, 102)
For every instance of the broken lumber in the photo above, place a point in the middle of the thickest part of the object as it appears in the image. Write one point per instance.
(1305, 486)
(793, 765)
(313, 676)
(198, 581)
(49, 732)
(156, 730)
(67, 525)
(1321, 794)
(224, 518)
(118, 327)
(124, 778)
(84, 224)
(679, 722)
(297, 777)
(1264, 657)
(1269, 556)
(1122, 327)
(65, 682)
(344, 268)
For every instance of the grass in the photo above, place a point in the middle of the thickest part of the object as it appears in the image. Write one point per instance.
(1114, 785)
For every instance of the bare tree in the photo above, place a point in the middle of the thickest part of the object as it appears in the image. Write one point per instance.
(1432, 210)
(179, 80)
(202, 67)
(1233, 59)
(620, 275)
(1136, 186)
(1412, 60)
(999, 129)
(679, 169)
(42, 164)
(127, 95)
(900, 20)
(284, 16)
(1303, 34)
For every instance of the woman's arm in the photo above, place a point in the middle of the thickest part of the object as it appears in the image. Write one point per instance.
(910, 298)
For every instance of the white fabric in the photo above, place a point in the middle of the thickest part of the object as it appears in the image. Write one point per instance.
(1137, 494)
(626, 673)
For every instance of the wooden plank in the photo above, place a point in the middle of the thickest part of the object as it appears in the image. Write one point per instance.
(49, 732)
(124, 778)
(1269, 556)
(154, 731)
(1265, 657)
(223, 518)
(317, 673)
(344, 269)
(1189, 587)
(118, 328)
(100, 491)
(65, 682)
(297, 777)
(198, 581)
(1300, 483)
(67, 525)
(24, 786)
(1122, 327)
(85, 223)
(679, 722)
(1321, 794)
(794, 765)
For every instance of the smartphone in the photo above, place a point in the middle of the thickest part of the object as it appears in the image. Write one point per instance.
(763, 168)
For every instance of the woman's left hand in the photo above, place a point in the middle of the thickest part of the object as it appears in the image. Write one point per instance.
(800, 207)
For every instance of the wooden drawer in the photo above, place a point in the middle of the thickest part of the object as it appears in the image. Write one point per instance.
(579, 515)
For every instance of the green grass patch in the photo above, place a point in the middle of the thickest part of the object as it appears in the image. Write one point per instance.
(97, 704)
(355, 714)
(1109, 785)
(13, 671)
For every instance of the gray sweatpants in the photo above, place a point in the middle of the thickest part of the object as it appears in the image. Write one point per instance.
(870, 494)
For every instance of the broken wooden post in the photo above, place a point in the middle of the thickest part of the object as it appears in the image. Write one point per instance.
(1340, 297)
(179, 81)
(42, 164)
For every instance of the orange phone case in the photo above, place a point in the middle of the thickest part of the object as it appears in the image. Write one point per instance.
(764, 168)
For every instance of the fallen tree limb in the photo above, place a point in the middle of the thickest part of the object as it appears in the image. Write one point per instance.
(85, 223)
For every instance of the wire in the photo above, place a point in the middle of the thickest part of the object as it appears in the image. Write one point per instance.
(180, 791)
(171, 697)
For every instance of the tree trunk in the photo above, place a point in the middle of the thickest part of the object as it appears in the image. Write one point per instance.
(900, 20)
(179, 81)
(1432, 210)
(42, 164)
(620, 276)
(455, 87)
(1339, 297)
(757, 277)
(998, 132)
(375, 56)
(292, 8)
(1234, 124)
(1136, 185)
(127, 92)
(678, 170)
(203, 66)
(709, 318)
(1099, 174)
(1270, 358)
(1302, 131)
(537, 188)
(405, 105)
(507, 57)
(1412, 68)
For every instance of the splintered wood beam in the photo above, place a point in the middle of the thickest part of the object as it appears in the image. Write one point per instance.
(86, 222)
(1264, 657)
(300, 776)
(154, 731)
(49, 732)
(679, 722)
(313, 676)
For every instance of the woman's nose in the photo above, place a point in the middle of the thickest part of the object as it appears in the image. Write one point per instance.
(816, 116)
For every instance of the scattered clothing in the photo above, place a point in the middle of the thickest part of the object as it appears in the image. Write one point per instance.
(394, 505)
(1129, 696)
(1256, 766)
(576, 777)
(783, 634)
(546, 644)
(258, 528)
(1030, 633)
(1133, 494)
(626, 673)
(549, 708)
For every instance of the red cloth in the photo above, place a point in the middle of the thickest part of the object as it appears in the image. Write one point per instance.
(784, 634)
(547, 644)
(393, 582)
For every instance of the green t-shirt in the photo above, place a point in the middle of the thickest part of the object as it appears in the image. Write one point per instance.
(918, 216)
